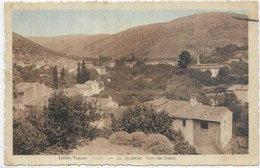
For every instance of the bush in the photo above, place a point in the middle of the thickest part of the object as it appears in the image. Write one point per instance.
(144, 119)
(68, 120)
(181, 146)
(58, 126)
(159, 144)
(27, 139)
(121, 138)
(136, 119)
(139, 138)
(105, 132)
(56, 150)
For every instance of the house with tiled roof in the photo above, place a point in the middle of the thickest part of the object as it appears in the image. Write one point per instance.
(202, 126)
(89, 88)
(108, 109)
(35, 94)
(101, 70)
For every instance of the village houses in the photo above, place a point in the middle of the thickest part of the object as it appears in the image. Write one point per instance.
(202, 126)
(108, 109)
(161, 62)
(36, 64)
(89, 88)
(111, 64)
(130, 64)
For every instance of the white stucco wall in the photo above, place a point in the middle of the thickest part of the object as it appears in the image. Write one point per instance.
(187, 130)
(226, 129)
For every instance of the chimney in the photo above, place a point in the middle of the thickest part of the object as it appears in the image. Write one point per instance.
(193, 100)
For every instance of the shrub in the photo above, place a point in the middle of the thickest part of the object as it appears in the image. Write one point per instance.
(159, 144)
(58, 126)
(121, 138)
(145, 119)
(105, 133)
(139, 138)
(181, 146)
(27, 139)
(56, 150)
(239, 145)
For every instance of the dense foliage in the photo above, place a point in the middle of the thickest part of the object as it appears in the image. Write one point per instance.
(147, 120)
(55, 79)
(61, 124)
(143, 83)
(83, 74)
(63, 80)
(184, 59)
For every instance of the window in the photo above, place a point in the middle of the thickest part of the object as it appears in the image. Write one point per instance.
(184, 123)
(204, 125)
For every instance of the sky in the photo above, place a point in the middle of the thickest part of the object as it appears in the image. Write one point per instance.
(68, 22)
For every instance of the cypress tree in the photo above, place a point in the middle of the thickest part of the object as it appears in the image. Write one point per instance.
(84, 72)
(62, 78)
(78, 77)
(55, 82)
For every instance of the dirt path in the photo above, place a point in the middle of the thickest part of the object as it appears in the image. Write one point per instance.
(101, 146)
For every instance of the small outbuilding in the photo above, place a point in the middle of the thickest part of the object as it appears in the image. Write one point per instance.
(202, 125)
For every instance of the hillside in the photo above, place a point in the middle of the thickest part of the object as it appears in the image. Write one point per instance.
(197, 33)
(26, 50)
(70, 45)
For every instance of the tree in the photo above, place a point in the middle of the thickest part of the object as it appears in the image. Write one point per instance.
(84, 72)
(184, 59)
(139, 63)
(203, 77)
(224, 72)
(62, 78)
(78, 77)
(69, 119)
(55, 81)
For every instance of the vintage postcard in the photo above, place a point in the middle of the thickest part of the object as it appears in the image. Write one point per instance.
(131, 83)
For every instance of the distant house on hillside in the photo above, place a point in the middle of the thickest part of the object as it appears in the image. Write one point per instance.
(111, 64)
(35, 64)
(72, 71)
(213, 68)
(202, 126)
(101, 70)
(39, 64)
(161, 62)
(20, 63)
(89, 88)
(89, 64)
(130, 64)
(32, 94)
(241, 92)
